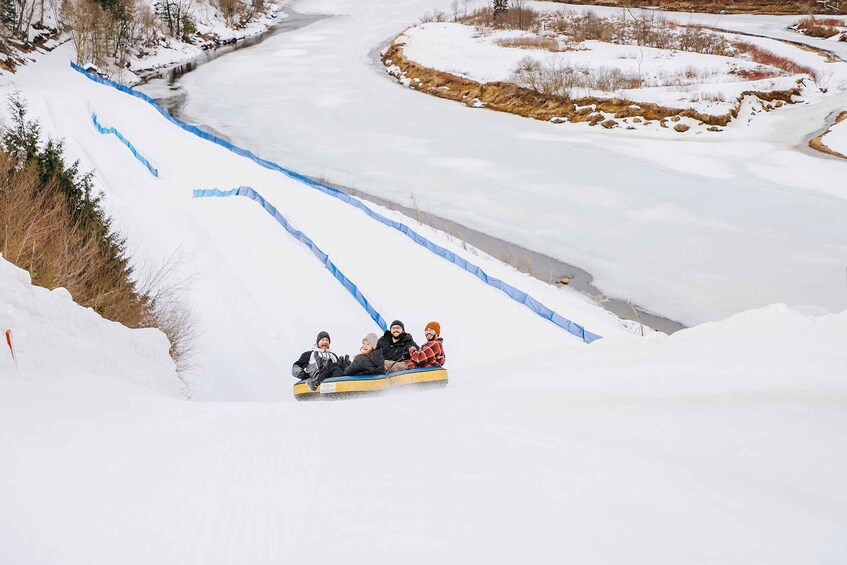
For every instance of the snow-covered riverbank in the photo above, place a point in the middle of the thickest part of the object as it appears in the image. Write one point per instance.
(694, 230)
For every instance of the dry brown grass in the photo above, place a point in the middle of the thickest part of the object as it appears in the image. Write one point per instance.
(518, 16)
(37, 233)
(820, 27)
(765, 57)
(729, 6)
(531, 42)
(818, 144)
(508, 97)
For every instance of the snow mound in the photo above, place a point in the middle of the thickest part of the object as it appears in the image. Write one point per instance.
(56, 339)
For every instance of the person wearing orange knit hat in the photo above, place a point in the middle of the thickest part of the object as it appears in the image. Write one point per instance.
(431, 353)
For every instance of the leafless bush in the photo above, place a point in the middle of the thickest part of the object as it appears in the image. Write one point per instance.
(560, 79)
(820, 27)
(88, 26)
(433, 16)
(519, 16)
(168, 308)
(765, 57)
(531, 42)
(108, 37)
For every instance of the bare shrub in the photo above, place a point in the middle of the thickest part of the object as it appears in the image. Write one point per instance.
(530, 42)
(519, 16)
(765, 57)
(433, 16)
(231, 10)
(560, 79)
(108, 38)
(168, 308)
(820, 27)
(88, 26)
(177, 15)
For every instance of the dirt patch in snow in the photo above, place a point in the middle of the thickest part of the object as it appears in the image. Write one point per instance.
(514, 99)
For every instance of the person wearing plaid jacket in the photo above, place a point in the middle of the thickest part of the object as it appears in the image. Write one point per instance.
(430, 354)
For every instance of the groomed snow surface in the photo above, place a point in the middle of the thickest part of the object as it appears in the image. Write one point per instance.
(720, 444)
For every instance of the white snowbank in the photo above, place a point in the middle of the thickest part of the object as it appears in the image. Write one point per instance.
(56, 340)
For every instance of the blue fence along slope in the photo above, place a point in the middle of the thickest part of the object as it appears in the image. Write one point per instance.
(248, 192)
(125, 141)
(510, 291)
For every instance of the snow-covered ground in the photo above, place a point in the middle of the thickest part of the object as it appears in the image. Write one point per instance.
(55, 340)
(706, 83)
(237, 256)
(723, 443)
(695, 230)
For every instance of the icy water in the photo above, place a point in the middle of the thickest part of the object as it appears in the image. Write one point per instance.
(164, 85)
(696, 228)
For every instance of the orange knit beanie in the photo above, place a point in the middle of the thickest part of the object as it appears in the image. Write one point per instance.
(435, 326)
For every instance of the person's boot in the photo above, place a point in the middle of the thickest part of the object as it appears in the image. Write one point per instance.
(313, 383)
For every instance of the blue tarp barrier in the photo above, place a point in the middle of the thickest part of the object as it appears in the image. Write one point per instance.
(248, 192)
(509, 290)
(125, 141)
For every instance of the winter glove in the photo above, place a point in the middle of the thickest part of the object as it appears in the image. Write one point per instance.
(297, 372)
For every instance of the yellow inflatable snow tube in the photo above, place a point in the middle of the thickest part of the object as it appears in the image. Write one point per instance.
(430, 377)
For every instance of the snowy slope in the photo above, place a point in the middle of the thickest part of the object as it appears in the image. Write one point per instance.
(723, 443)
(720, 444)
(261, 295)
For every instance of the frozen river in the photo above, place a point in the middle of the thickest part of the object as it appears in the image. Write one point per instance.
(692, 227)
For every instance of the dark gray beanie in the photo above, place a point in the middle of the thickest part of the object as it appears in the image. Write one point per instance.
(321, 336)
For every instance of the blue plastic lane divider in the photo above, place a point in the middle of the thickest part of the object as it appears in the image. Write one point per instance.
(125, 141)
(509, 290)
(248, 192)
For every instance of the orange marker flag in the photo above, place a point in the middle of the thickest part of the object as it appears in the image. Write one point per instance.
(11, 347)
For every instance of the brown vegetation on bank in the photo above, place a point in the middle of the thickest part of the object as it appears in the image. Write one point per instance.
(514, 99)
(776, 7)
(52, 225)
(818, 144)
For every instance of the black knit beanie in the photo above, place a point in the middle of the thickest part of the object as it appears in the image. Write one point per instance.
(321, 336)
(397, 323)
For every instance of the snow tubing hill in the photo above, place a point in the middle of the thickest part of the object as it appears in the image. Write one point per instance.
(361, 384)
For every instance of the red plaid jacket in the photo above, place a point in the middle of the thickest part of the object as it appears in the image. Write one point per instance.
(431, 354)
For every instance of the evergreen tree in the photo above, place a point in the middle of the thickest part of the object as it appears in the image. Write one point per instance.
(8, 13)
(500, 8)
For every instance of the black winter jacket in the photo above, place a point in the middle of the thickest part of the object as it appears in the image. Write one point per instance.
(396, 351)
(371, 364)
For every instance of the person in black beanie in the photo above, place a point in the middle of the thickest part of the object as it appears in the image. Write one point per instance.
(395, 345)
(312, 362)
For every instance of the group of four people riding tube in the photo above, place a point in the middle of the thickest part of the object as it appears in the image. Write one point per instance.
(395, 351)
